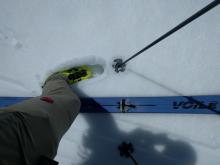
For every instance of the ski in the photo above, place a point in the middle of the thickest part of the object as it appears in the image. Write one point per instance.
(171, 104)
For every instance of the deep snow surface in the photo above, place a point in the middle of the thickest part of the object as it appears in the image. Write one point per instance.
(40, 36)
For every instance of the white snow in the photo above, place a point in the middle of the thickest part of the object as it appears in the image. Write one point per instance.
(40, 36)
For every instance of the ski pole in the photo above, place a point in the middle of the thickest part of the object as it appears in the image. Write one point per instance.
(119, 65)
(126, 150)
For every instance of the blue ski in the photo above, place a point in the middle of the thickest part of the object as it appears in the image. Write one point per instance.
(171, 104)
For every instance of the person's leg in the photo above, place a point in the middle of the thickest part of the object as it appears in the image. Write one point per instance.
(61, 110)
(25, 138)
(66, 104)
(36, 126)
(58, 103)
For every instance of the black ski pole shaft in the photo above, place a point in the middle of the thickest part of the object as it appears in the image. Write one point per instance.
(179, 26)
(133, 159)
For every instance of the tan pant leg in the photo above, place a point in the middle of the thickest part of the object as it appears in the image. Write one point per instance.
(61, 113)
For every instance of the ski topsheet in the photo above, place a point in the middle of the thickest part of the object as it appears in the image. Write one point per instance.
(172, 104)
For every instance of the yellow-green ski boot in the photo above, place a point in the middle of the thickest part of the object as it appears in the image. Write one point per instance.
(80, 73)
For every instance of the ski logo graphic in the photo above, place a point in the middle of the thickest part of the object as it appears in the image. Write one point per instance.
(195, 105)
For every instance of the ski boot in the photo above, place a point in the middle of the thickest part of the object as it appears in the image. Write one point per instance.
(80, 73)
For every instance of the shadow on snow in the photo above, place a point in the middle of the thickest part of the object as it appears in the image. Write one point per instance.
(104, 137)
